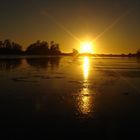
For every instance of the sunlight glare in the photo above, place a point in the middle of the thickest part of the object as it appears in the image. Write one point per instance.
(86, 47)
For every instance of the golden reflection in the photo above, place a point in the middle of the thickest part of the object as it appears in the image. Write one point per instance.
(85, 102)
(86, 67)
(85, 98)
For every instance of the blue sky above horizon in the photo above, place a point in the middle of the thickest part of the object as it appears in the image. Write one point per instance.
(114, 22)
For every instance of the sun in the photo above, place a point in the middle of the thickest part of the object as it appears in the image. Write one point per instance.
(86, 47)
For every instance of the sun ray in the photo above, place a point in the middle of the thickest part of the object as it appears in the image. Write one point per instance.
(112, 24)
(60, 25)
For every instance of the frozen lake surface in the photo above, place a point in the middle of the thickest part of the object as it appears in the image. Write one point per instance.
(73, 95)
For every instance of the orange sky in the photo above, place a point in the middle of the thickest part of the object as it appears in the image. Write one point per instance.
(113, 26)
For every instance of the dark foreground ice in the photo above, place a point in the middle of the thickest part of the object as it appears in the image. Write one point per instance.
(68, 95)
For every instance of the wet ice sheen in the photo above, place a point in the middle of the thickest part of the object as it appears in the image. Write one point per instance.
(83, 94)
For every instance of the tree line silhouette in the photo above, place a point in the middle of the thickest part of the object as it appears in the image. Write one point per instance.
(37, 48)
(43, 48)
(8, 47)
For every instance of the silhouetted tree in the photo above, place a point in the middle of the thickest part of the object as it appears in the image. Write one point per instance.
(130, 54)
(38, 48)
(74, 52)
(7, 44)
(138, 53)
(54, 48)
(8, 47)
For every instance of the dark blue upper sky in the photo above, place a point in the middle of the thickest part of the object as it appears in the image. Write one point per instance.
(116, 22)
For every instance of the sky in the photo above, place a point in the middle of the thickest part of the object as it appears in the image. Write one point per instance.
(112, 25)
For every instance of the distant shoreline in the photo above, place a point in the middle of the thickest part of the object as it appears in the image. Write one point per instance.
(65, 54)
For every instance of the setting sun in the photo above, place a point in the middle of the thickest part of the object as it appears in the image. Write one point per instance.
(86, 47)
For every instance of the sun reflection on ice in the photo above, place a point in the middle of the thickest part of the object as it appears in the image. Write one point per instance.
(85, 97)
(86, 68)
(85, 102)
